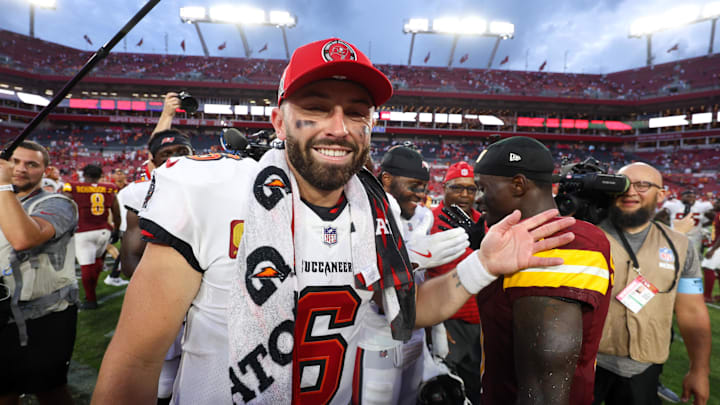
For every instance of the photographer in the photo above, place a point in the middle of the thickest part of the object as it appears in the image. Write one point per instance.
(37, 258)
(662, 265)
(164, 143)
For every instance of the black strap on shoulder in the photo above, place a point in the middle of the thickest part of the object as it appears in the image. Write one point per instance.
(634, 259)
(675, 254)
(627, 246)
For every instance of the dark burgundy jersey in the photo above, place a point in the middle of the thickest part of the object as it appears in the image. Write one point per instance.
(586, 277)
(94, 201)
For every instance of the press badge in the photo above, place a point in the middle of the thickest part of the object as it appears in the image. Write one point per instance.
(637, 294)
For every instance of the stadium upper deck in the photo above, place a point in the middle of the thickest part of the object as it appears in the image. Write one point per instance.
(48, 60)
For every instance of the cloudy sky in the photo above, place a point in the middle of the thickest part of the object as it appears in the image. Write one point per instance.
(584, 36)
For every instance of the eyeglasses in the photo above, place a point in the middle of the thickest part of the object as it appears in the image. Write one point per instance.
(643, 186)
(455, 188)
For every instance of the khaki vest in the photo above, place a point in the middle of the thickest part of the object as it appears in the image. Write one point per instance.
(644, 336)
(43, 276)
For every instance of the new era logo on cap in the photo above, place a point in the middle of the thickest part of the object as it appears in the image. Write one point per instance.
(515, 157)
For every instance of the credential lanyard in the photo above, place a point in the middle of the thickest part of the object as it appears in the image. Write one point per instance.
(636, 265)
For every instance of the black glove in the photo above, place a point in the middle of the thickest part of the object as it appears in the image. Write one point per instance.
(457, 218)
(114, 236)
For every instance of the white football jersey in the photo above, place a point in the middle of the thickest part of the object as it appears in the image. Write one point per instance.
(131, 197)
(197, 205)
(421, 212)
(376, 331)
(697, 211)
(329, 307)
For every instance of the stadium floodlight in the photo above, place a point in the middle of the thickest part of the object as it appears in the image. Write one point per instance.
(240, 16)
(502, 28)
(472, 26)
(456, 26)
(237, 15)
(645, 26)
(48, 4)
(415, 25)
(446, 25)
(189, 14)
(282, 18)
(677, 17)
(44, 3)
(711, 11)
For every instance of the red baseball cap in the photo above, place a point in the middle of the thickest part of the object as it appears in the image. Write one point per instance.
(333, 58)
(459, 169)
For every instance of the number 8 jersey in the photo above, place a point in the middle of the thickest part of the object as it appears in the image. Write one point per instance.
(94, 201)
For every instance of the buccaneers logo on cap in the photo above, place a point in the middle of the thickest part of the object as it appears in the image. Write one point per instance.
(337, 50)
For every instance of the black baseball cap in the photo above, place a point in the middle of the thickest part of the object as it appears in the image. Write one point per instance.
(403, 161)
(517, 155)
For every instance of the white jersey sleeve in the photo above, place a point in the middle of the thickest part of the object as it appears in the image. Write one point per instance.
(674, 207)
(191, 205)
(133, 195)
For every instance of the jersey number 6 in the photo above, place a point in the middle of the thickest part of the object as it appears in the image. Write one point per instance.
(325, 353)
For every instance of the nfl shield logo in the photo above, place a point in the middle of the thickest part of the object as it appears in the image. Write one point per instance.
(329, 235)
(666, 255)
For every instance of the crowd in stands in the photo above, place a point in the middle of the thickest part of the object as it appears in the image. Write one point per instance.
(20, 52)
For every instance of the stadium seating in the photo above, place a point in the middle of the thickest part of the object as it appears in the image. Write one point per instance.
(23, 53)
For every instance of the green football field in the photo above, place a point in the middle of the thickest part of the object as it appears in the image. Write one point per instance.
(95, 329)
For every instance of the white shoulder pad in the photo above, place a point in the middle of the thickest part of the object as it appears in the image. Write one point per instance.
(133, 195)
(187, 195)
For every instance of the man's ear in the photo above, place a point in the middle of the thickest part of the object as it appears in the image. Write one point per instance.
(662, 194)
(520, 185)
(278, 118)
(386, 179)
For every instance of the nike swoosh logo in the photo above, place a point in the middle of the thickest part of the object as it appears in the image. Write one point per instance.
(428, 255)
(170, 163)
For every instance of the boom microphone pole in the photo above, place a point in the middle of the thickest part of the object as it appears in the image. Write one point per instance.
(89, 65)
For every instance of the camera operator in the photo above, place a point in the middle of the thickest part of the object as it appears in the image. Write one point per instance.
(37, 258)
(656, 270)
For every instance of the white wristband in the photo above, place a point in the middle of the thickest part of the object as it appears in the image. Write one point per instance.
(473, 275)
(7, 187)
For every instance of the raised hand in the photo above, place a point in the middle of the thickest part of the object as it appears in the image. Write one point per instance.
(509, 245)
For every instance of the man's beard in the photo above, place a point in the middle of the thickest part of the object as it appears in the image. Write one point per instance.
(323, 176)
(631, 219)
(29, 185)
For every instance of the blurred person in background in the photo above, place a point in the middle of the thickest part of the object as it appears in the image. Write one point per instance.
(95, 201)
(711, 259)
(390, 371)
(463, 328)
